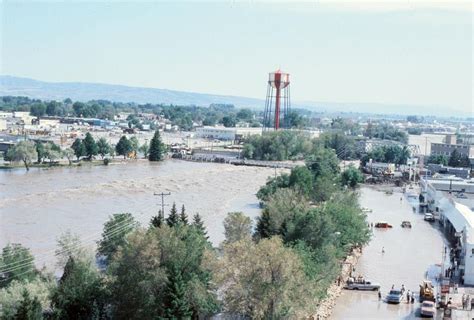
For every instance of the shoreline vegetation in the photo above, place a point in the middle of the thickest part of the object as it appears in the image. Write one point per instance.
(310, 225)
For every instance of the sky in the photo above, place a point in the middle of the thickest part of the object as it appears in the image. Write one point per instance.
(394, 52)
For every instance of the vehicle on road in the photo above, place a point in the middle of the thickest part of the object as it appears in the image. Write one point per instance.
(427, 291)
(361, 284)
(428, 309)
(429, 217)
(382, 224)
(394, 296)
(406, 224)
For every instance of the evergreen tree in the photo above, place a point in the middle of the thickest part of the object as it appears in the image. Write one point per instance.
(79, 149)
(157, 148)
(183, 218)
(158, 220)
(199, 225)
(173, 218)
(80, 293)
(264, 227)
(176, 305)
(28, 309)
(90, 146)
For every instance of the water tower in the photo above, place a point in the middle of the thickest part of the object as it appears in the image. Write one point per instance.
(277, 103)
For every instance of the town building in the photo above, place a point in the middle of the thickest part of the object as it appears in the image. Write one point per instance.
(445, 149)
(451, 199)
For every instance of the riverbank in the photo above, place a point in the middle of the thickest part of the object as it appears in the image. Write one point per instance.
(326, 306)
(408, 255)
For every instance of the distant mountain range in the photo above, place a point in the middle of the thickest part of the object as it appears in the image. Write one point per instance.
(82, 91)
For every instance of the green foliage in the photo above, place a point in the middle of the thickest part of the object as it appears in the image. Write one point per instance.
(322, 162)
(388, 154)
(29, 309)
(39, 150)
(103, 147)
(176, 305)
(344, 145)
(134, 143)
(458, 160)
(386, 132)
(16, 263)
(158, 220)
(90, 146)
(52, 152)
(79, 148)
(229, 121)
(145, 149)
(38, 109)
(123, 147)
(351, 177)
(301, 179)
(272, 185)
(277, 145)
(263, 280)
(183, 217)
(198, 224)
(245, 114)
(438, 159)
(173, 218)
(157, 148)
(237, 227)
(162, 273)
(23, 151)
(80, 293)
(11, 296)
(114, 234)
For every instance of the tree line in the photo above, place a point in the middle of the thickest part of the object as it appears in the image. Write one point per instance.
(87, 148)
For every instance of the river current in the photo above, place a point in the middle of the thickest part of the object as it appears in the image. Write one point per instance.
(36, 207)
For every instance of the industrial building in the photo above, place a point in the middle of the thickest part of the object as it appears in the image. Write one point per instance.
(451, 199)
(445, 149)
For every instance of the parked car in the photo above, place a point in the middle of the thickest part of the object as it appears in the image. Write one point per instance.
(428, 309)
(394, 296)
(361, 285)
(429, 217)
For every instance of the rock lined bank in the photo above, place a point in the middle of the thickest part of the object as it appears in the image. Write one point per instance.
(325, 307)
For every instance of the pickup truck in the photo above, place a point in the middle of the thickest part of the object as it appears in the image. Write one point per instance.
(361, 285)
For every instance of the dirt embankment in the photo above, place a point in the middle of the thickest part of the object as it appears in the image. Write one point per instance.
(325, 307)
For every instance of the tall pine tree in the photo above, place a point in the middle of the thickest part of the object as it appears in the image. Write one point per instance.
(177, 306)
(157, 148)
(173, 218)
(158, 220)
(183, 218)
(199, 225)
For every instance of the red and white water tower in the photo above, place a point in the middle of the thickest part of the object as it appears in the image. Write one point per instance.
(277, 103)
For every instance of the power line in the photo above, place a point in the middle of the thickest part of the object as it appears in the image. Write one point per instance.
(162, 194)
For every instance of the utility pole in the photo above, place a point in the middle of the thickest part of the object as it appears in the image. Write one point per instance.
(163, 201)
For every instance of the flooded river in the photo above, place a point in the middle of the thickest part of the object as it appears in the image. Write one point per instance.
(409, 254)
(38, 206)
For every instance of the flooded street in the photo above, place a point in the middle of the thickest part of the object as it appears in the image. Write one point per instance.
(409, 254)
(38, 206)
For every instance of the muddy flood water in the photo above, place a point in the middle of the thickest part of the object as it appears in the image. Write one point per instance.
(409, 255)
(38, 206)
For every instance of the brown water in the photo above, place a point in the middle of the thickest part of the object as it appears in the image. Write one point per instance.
(409, 254)
(38, 206)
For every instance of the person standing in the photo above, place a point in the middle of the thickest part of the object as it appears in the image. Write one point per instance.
(408, 296)
(380, 295)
